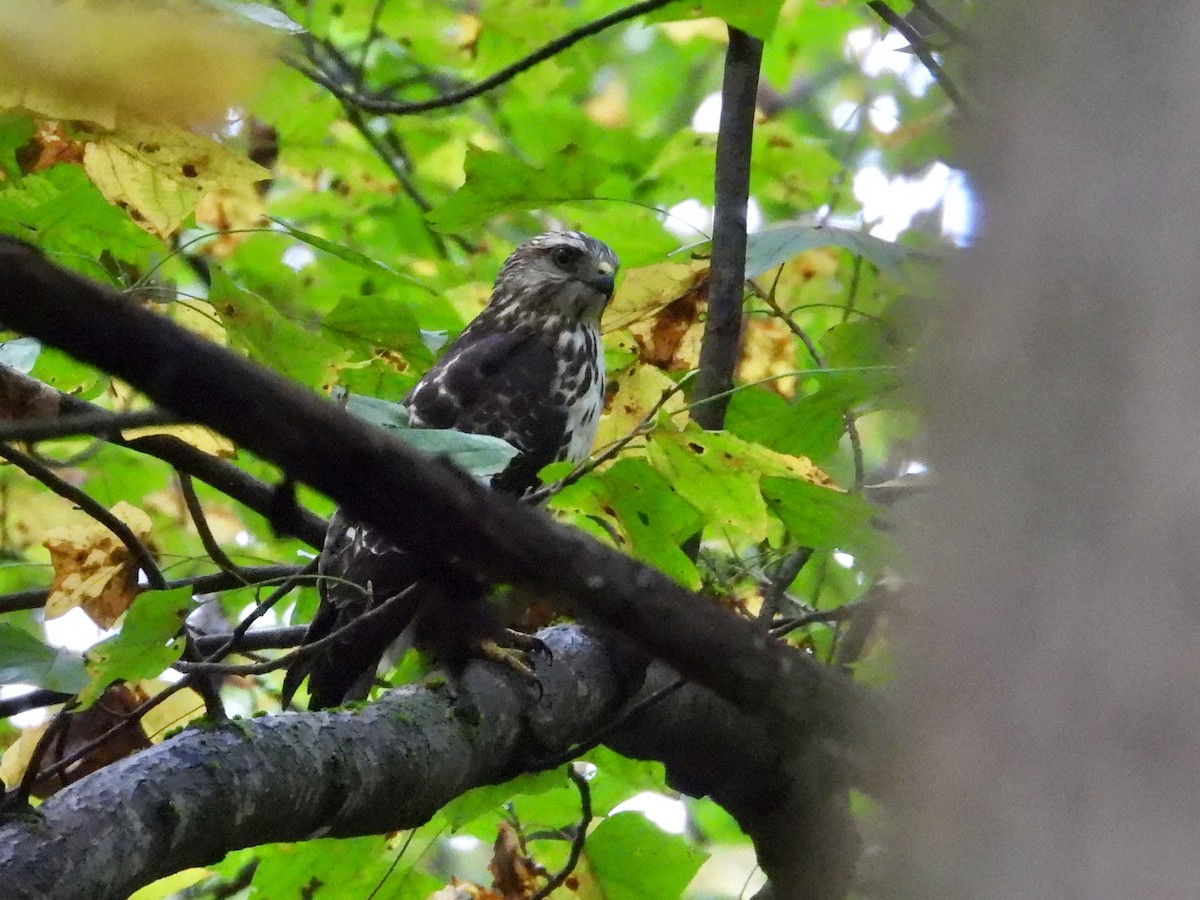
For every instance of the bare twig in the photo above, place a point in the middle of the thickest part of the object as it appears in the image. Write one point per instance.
(85, 502)
(211, 547)
(235, 637)
(103, 424)
(378, 104)
(611, 450)
(200, 584)
(921, 48)
(783, 576)
(19, 797)
(360, 624)
(577, 841)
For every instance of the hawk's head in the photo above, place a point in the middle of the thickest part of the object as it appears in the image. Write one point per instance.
(566, 275)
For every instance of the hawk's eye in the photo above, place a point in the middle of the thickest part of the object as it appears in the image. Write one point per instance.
(564, 256)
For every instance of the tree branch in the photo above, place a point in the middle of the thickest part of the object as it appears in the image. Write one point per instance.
(200, 584)
(376, 104)
(723, 328)
(426, 505)
(27, 400)
(387, 766)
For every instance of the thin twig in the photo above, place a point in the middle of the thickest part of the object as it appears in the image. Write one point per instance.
(211, 547)
(377, 104)
(611, 450)
(102, 424)
(35, 699)
(921, 48)
(85, 502)
(200, 584)
(235, 637)
(360, 624)
(585, 819)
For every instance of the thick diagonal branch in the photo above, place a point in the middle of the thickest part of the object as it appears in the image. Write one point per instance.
(424, 504)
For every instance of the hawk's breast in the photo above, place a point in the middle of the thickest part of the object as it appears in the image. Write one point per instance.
(579, 389)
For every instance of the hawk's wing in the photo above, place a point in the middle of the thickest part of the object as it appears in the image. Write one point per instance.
(498, 383)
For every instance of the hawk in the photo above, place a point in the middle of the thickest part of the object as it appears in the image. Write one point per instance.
(529, 369)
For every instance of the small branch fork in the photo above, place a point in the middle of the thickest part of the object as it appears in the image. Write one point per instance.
(386, 105)
(579, 838)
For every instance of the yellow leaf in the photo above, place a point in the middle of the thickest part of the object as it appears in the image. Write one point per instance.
(160, 172)
(16, 758)
(768, 351)
(645, 291)
(178, 709)
(170, 886)
(609, 107)
(197, 435)
(639, 388)
(167, 60)
(93, 569)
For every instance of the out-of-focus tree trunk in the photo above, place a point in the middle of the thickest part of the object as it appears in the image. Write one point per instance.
(1053, 681)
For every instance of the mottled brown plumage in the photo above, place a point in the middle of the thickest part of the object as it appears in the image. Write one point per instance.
(529, 369)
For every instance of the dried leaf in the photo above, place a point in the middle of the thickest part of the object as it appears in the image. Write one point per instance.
(93, 569)
(645, 291)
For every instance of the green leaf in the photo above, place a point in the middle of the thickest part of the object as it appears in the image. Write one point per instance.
(755, 17)
(255, 325)
(380, 320)
(708, 478)
(348, 254)
(26, 660)
(476, 802)
(634, 860)
(775, 246)
(480, 454)
(498, 184)
(654, 515)
(818, 517)
(146, 646)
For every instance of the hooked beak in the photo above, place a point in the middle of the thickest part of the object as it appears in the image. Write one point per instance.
(603, 281)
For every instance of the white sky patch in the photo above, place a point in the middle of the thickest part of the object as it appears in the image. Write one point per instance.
(297, 256)
(269, 619)
(707, 117)
(463, 843)
(73, 631)
(845, 115)
(30, 717)
(890, 203)
(884, 114)
(637, 38)
(243, 539)
(667, 813)
(843, 559)
(915, 468)
(692, 221)
(876, 55)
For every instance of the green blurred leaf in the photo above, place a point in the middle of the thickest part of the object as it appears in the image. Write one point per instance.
(634, 860)
(654, 515)
(755, 17)
(15, 131)
(146, 645)
(818, 517)
(26, 660)
(498, 184)
(773, 247)
(474, 803)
